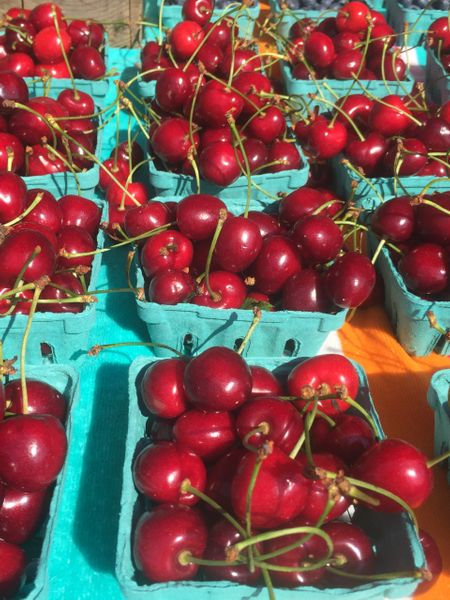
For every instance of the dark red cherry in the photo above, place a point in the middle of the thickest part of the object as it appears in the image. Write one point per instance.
(47, 212)
(306, 291)
(87, 63)
(257, 154)
(86, 33)
(16, 251)
(172, 89)
(171, 140)
(214, 102)
(185, 37)
(221, 32)
(350, 280)
(61, 287)
(238, 245)
(432, 224)
(285, 156)
(268, 125)
(80, 212)
(42, 398)
(170, 287)
(254, 86)
(19, 35)
(267, 223)
(433, 559)
(162, 388)
(277, 261)
(347, 64)
(12, 569)
(12, 196)
(298, 204)
(168, 249)
(367, 153)
(318, 239)
(21, 514)
(264, 382)
(406, 157)
(198, 215)
(73, 240)
(319, 50)
(347, 439)
(142, 219)
(31, 128)
(394, 219)
(217, 163)
(425, 269)
(228, 291)
(12, 154)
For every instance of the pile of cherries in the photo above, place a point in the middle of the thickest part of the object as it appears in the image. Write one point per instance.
(218, 78)
(33, 447)
(420, 229)
(224, 433)
(295, 260)
(386, 137)
(35, 41)
(356, 42)
(39, 245)
(438, 38)
(42, 135)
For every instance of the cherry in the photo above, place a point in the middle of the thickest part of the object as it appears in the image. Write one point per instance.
(318, 239)
(230, 387)
(141, 219)
(312, 550)
(56, 70)
(394, 219)
(252, 85)
(433, 558)
(48, 46)
(168, 249)
(20, 514)
(41, 161)
(154, 66)
(346, 40)
(298, 204)
(16, 250)
(352, 543)
(264, 382)
(257, 154)
(71, 286)
(228, 289)
(12, 196)
(217, 163)
(432, 224)
(399, 467)
(279, 494)
(438, 34)
(44, 14)
(211, 56)
(347, 439)
(86, 33)
(74, 240)
(425, 269)
(171, 141)
(81, 147)
(323, 375)
(285, 156)
(47, 212)
(277, 261)
(435, 134)
(159, 471)
(80, 212)
(238, 245)
(353, 16)
(357, 106)
(367, 153)
(326, 139)
(319, 50)
(221, 32)
(120, 170)
(406, 158)
(241, 60)
(170, 287)
(267, 223)
(208, 434)
(42, 398)
(12, 568)
(172, 89)
(32, 451)
(390, 118)
(199, 11)
(185, 37)
(302, 27)
(220, 538)
(214, 102)
(284, 424)
(306, 291)
(162, 536)
(198, 214)
(116, 196)
(268, 125)
(392, 67)
(18, 63)
(215, 134)
(347, 64)
(30, 128)
(318, 492)
(162, 388)
(19, 35)
(350, 280)
(86, 62)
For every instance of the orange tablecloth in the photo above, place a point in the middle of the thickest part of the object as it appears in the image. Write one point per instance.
(399, 385)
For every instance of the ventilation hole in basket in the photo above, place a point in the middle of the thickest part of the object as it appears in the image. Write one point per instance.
(290, 347)
(188, 343)
(237, 343)
(47, 353)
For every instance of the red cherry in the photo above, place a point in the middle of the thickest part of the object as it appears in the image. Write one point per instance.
(63, 286)
(171, 141)
(367, 153)
(209, 434)
(217, 164)
(350, 280)
(357, 106)
(32, 451)
(347, 439)
(42, 398)
(238, 245)
(77, 104)
(390, 118)
(17, 249)
(120, 170)
(221, 32)
(228, 389)
(264, 382)
(318, 239)
(215, 134)
(285, 156)
(425, 269)
(279, 494)
(57, 70)
(353, 16)
(319, 50)
(347, 64)
(306, 291)
(170, 287)
(19, 35)
(172, 89)
(405, 158)
(327, 140)
(322, 375)
(299, 203)
(433, 559)
(20, 515)
(12, 569)
(12, 196)
(168, 249)
(399, 467)
(394, 219)
(19, 63)
(30, 128)
(438, 34)
(160, 470)
(116, 196)
(199, 11)
(48, 46)
(277, 261)
(86, 33)
(47, 212)
(228, 289)
(253, 85)
(214, 102)
(185, 37)
(346, 40)
(80, 212)
(86, 62)
(44, 15)
(432, 224)
(267, 223)
(162, 535)
(268, 125)
(392, 68)
(162, 388)
(12, 87)
(74, 240)
(141, 219)
(198, 215)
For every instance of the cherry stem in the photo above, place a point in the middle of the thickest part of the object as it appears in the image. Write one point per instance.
(379, 576)
(341, 112)
(222, 218)
(46, 118)
(126, 102)
(257, 316)
(186, 558)
(435, 461)
(349, 165)
(263, 428)
(365, 414)
(432, 319)
(325, 205)
(29, 208)
(247, 171)
(63, 52)
(379, 248)
(95, 350)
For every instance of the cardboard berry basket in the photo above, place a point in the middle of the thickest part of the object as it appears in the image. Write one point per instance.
(58, 337)
(67, 381)
(411, 23)
(438, 399)
(394, 535)
(172, 14)
(408, 312)
(437, 80)
(190, 329)
(269, 185)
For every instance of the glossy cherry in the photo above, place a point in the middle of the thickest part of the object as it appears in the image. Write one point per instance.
(12, 196)
(171, 286)
(217, 164)
(171, 141)
(425, 269)
(264, 382)
(198, 214)
(390, 118)
(268, 125)
(347, 439)
(238, 245)
(21, 514)
(318, 239)
(319, 50)
(350, 280)
(12, 87)
(12, 569)
(43, 398)
(18, 248)
(168, 249)
(277, 261)
(87, 63)
(162, 388)
(61, 287)
(394, 219)
(81, 212)
(228, 291)
(306, 291)
(73, 240)
(327, 140)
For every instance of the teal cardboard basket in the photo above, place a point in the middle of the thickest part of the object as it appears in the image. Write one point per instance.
(66, 380)
(366, 194)
(190, 329)
(408, 312)
(172, 14)
(411, 23)
(270, 185)
(394, 535)
(60, 337)
(438, 398)
(437, 80)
